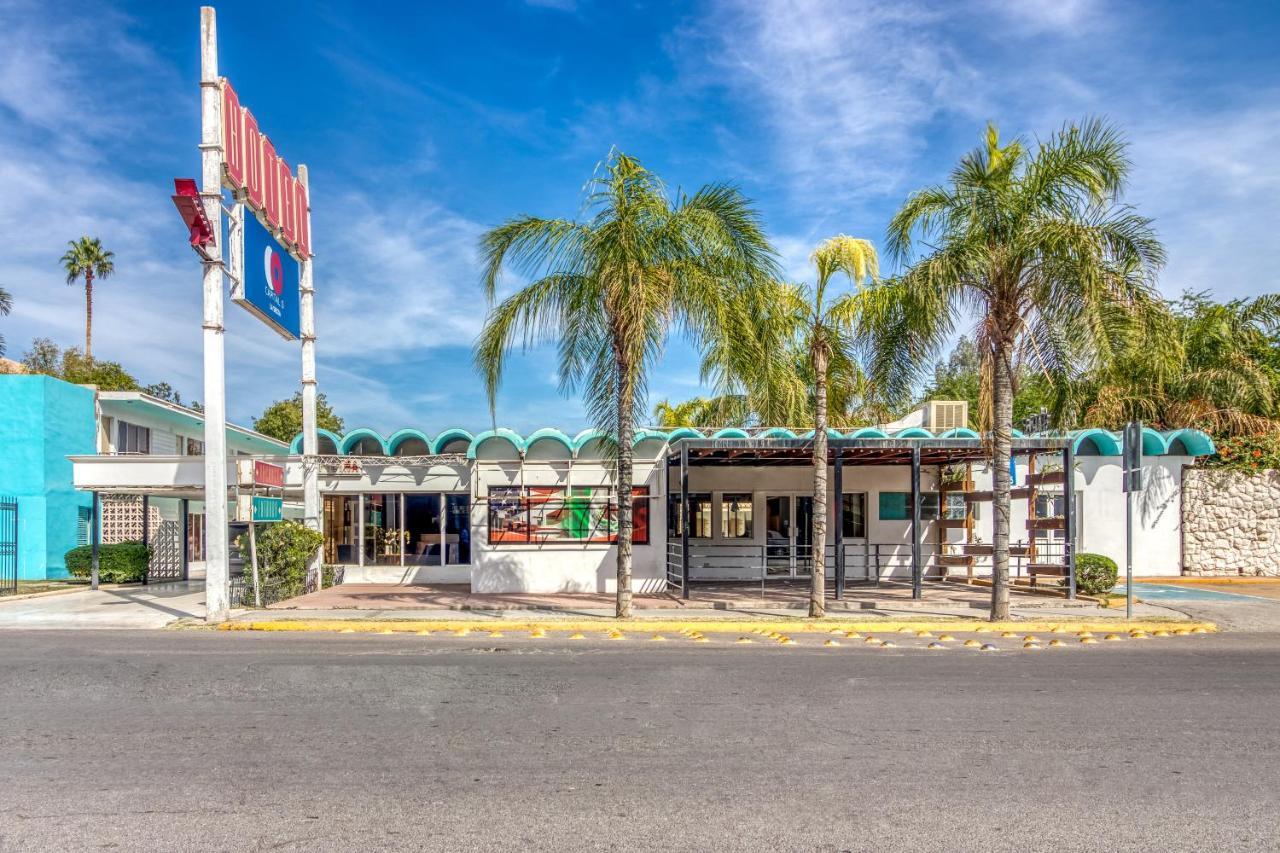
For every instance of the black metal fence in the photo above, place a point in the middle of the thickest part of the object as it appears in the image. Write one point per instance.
(8, 545)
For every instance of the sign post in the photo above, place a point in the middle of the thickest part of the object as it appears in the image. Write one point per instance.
(273, 281)
(1132, 474)
(217, 588)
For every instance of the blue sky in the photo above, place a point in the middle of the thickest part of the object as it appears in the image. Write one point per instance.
(424, 124)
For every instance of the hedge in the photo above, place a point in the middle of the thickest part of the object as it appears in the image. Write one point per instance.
(1095, 574)
(123, 562)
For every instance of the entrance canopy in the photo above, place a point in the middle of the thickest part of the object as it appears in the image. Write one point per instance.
(849, 451)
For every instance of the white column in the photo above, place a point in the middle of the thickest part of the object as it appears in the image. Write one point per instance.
(310, 442)
(217, 581)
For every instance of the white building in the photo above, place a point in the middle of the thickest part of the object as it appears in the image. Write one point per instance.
(501, 512)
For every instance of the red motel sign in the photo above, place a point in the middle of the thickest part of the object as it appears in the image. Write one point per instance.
(250, 164)
(266, 474)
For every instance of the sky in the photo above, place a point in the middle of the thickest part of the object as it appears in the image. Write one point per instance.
(424, 124)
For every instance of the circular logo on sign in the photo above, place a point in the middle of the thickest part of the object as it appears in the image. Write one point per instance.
(274, 268)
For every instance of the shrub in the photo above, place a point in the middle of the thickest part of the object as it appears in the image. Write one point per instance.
(123, 562)
(283, 550)
(1095, 574)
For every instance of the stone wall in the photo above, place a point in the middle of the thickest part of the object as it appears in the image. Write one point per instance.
(1230, 522)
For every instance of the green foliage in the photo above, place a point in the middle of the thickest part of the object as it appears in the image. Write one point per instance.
(1248, 453)
(723, 410)
(123, 562)
(1095, 574)
(71, 366)
(282, 420)
(87, 256)
(6, 305)
(283, 551)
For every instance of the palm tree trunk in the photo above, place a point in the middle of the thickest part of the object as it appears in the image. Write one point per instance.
(88, 315)
(626, 429)
(1002, 425)
(818, 584)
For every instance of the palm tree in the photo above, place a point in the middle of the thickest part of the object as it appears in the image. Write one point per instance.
(86, 258)
(1035, 246)
(6, 305)
(820, 327)
(1195, 363)
(721, 410)
(607, 290)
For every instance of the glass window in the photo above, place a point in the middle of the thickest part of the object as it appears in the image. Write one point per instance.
(422, 530)
(195, 447)
(457, 549)
(1050, 505)
(549, 514)
(956, 507)
(896, 506)
(341, 535)
(383, 539)
(508, 515)
(131, 438)
(735, 516)
(699, 515)
(855, 515)
(640, 515)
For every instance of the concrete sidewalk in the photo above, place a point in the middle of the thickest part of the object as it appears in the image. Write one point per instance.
(153, 606)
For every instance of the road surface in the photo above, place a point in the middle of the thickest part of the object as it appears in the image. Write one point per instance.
(193, 740)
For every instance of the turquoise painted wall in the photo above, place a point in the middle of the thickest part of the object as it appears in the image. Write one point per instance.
(43, 421)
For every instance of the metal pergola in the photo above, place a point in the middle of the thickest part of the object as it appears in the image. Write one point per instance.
(916, 452)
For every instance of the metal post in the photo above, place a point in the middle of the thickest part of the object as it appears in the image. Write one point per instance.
(1069, 516)
(360, 530)
(146, 535)
(186, 537)
(838, 536)
(95, 540)
(917, 588)
(217, 573)
(310, 439)
(684, 520)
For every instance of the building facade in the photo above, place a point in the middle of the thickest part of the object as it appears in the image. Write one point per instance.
(46, 423)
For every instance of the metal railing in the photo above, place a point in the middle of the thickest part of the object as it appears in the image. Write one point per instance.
(8, 545)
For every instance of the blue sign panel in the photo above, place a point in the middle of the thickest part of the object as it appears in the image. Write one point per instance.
(268, 509)
(270, 280)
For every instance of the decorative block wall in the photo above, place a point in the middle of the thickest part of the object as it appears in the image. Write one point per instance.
(1230, 522)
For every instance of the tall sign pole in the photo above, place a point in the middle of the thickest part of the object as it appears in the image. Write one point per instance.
(1132, 475)
(310, 440)
(217, 579)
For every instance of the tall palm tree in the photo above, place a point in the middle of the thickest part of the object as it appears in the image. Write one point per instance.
(1199, 363)
(6, 305)
(608, 289)
(820, 325)
(1036, 246)
(85, 258)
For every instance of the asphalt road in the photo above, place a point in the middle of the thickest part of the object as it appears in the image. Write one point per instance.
(215, 741)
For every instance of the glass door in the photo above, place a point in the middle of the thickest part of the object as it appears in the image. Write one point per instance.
(803, 536)
(777, 548)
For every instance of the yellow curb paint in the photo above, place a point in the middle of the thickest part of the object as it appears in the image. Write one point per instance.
(1084, 635)
(1113, 638)
(1160, 632)
(836, 632)
(734, 626)
(1087, 640)
(1182, 632)
(1199, 631)
(462, 632)
(904, 631)
(852, 635)
(495, 634)
(537, 634)
(386, 631)
(347, 631)
(1058, 630)
(424, 633)
(658, 638)
(577, 636)
(924, 633)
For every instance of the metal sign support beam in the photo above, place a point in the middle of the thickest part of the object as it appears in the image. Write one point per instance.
(310, 440)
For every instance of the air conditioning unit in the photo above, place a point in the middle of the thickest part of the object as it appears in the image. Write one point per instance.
(942, 415)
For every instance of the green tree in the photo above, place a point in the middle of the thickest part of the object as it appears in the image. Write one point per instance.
(607, 290)
(819, 324)
(86, 258)
(1198, 363)
(718, 411)
(282, 420)
(6, 305)
(1037, 246)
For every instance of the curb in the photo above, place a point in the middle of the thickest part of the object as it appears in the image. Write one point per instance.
(707, 625)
